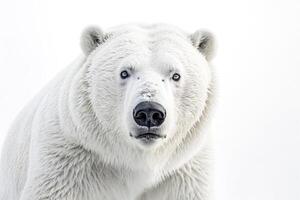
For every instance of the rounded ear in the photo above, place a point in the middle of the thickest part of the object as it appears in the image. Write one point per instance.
(204, 41)
(91, 37)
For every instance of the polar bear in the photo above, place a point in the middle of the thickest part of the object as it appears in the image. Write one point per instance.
(127, 120)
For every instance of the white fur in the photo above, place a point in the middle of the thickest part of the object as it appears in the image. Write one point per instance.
(72, 142)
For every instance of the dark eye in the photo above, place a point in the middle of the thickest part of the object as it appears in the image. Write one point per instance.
(176, 77)
(124, 74)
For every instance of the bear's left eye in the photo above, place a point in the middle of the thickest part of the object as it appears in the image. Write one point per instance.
(124, 74)
(176, 77)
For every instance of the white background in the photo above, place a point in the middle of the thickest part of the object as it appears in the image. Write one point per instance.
(257, 122)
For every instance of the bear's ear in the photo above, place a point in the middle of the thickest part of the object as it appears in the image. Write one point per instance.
(91, 37)
(204, 41)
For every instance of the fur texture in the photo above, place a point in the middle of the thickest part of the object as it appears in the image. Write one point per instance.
(73, 141)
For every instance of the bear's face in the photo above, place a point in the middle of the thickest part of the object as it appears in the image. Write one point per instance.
(148, 93)
(147, 85)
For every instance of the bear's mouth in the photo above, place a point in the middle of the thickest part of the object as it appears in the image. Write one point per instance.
(148, 136)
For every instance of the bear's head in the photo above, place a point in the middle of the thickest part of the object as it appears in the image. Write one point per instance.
(147, 85)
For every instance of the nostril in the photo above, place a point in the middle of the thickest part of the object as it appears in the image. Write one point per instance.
(156, 116)
(141, 115)
(140, 118)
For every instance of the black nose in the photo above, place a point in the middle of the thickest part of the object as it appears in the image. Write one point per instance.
(148, 113)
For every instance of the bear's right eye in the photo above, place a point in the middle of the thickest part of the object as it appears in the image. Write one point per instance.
(124, 74)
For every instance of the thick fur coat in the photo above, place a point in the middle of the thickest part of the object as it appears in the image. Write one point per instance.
(77, 139)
